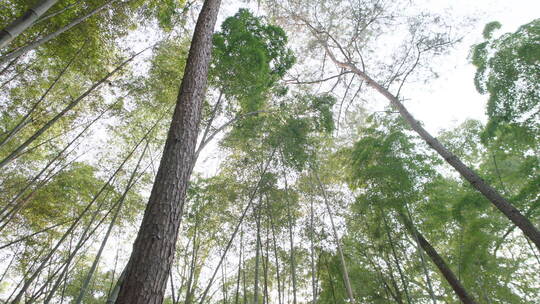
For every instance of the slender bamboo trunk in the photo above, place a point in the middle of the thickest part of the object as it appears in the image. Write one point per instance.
(24, 22)
(153, 250)
(49, 37)
(237, 294)
(396, 258)
(312, 253)
(26, 117)
(257, 252)
(511, 212)
(276, 259)
(171, 280)
(336, 239)
(241, 220)
(266, 298)
(121, 201)
(70, 106)
(291, 242)
(192, 265)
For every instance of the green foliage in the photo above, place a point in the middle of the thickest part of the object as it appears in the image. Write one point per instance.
(249, 57)
(507, 70)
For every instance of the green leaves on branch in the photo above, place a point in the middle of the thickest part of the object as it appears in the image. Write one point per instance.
(507, 69)
(249, 57)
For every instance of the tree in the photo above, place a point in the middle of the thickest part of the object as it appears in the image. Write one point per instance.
(153, 251)
(507, 70)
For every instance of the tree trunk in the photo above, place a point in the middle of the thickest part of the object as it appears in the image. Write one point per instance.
(257, 253)
(274, 243)
(121, 201)
(336, 239)
(153, 251)
(440, 263)
(291, 241)
(312, 253)
(396, 258)
(236, 297)
(478, 183)
(24, 22)
(47, 38)
(15, 153)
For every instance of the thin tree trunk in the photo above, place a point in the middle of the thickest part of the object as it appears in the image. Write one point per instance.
(266, 298)
(257, 253)
(276, 258)
(122, 199)
(312, 253)
(171, 279)
(440, 263)
(154, 247)
(336, 239)
(47, 38)
(26, 117)
(291, 241)
(236, 297)
(478, 183)
(240, 221)
(192, 264)
(423, 260)
(396, 259)
(114, 293)
(24, 22)
(70, 106)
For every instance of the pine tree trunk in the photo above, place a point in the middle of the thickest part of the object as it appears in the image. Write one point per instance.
(24, 22)
(153, 251)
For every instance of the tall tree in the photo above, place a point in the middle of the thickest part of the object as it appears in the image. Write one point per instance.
(153, 251)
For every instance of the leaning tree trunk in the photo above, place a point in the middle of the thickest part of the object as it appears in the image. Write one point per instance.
(153, 250)
(23, 50)
(511, 212)
(24, 22)
(439, 262)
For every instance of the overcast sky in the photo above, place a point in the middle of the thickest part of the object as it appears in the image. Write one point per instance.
(452, 98)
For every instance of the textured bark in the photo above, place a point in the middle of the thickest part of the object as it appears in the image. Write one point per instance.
(24, 22)
(440, 263)
(478, 183)
(153, 250)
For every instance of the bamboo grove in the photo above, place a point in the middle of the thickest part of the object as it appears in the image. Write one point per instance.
(223, 152)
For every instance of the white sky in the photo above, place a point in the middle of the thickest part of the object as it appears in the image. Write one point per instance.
(449, 100)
